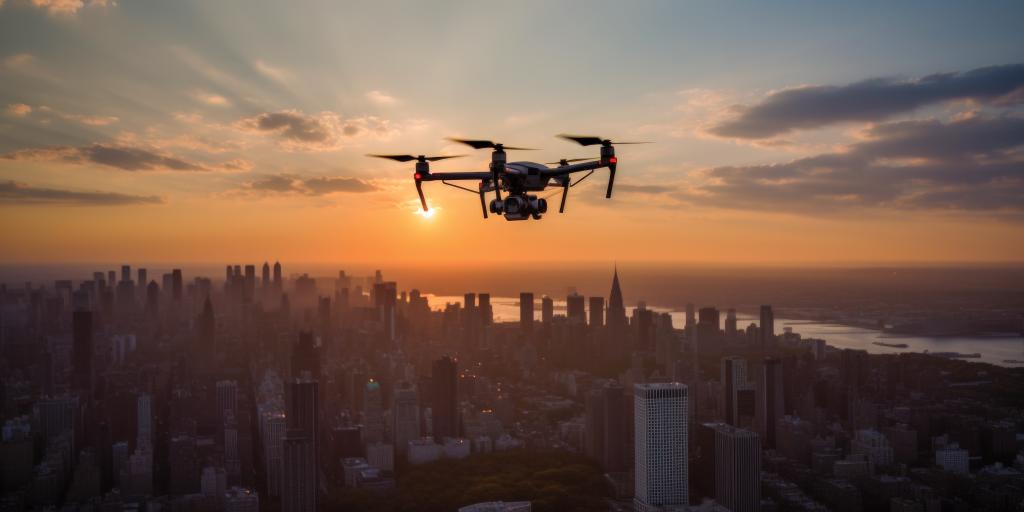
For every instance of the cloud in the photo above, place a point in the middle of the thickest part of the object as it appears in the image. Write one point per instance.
(65, 7)
(18, 60)
(870, 100)
(79, 118)
(19, 109)
(12, 192)
(381, 98)
(272, 72)
(325, 131)
(122, 157)
(972, 164)
(643, 189)
(317, 186)
(211, 98)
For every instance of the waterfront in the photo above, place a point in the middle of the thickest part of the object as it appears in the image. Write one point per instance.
(993, 349)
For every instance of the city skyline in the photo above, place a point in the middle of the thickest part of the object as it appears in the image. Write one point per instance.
(234, 147)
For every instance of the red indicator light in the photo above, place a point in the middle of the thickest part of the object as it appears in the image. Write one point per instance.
(418, 176)
(613, 160)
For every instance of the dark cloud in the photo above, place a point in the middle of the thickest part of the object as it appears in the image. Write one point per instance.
(313, 132)
(870, 100)
(20, 193)
(318, 186)
(971, 164)
(122, 157)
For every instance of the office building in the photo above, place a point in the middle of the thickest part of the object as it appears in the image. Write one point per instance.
(526, 312)
(729, 466)
(661, 446)
(445, 405)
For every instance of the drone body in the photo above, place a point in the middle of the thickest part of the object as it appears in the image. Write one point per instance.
(521, 181)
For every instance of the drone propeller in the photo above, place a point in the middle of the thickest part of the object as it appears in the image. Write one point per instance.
(409, 158)
(568, 160)
(590, 140)
(482, 144)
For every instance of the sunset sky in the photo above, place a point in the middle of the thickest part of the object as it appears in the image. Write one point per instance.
(785, 132)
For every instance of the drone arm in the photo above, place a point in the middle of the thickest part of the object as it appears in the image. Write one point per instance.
(565, 170)
(456, 176)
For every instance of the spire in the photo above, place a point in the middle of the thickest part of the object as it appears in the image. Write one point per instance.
(615, 298)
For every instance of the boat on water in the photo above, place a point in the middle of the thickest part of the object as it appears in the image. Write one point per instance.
(890, 345)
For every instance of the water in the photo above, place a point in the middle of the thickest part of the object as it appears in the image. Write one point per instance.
(993, 349)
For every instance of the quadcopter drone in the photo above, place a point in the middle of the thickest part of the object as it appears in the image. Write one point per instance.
(520, 180)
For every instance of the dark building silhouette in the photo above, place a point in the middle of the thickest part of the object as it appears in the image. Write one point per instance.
(265, 281)
(445, 399)
(305, 356)
(299, 492)
(278, 282)
(82, 349)
(207, 323)
(176, 285)
(727, 466)
(547, 309)
(772, 399)
(526, 312)
(597, 311)
(574, 308)
(767, 327)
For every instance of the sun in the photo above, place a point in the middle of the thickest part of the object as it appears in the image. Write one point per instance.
(426, 214)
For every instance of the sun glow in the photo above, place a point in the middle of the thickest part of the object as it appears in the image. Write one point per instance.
(427, 214)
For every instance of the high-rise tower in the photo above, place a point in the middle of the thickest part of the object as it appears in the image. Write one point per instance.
(661, 447)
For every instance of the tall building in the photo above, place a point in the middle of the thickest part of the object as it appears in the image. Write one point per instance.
(298, 473)
(82, 349)
(772, 400)
(486, 312)
(373, 413)
(691, 317)
(547, 309)
(445, 407)
(616, 315)
(526, 311)
(733, 379)
(406, 417)
(661, 446)
(730, 323)
(278, 280)
(767, 327)
(143, 276)
(575, 309)
(176, 285)
(265, 281)
(729, 466)
(227, 397)
(303, 415)
(597, 311)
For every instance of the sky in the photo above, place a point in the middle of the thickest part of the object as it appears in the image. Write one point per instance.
(785, 133)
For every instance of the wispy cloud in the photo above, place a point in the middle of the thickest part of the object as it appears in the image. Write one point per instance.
(19, 109)
(210, 98)
(877, 99)
(326, 131)
(12, 192)
(63, 7)
(273, 72)
(381, 98)
(122, 157)
(286, 183)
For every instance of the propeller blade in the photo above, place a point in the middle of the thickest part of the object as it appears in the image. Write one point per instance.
(591, 140)
(397, 158)
(473, 143)
(482, 144)
(582, 140)
(436, 158)
(569, 160)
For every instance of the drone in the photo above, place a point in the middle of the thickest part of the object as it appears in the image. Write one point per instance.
(521, 181)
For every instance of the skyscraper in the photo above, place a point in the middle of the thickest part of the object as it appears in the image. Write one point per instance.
(298, 473)
(767, 328)
(406, 417)
(278, 283)
(772, 399)
(733, 379)
(526, 311)
(176, 285)
(616, 317)
(143, 276)
(547, 309)
(574, 308)
(82, 349)
(373, 413)
(597, 311)
(729, 467)
(730, 323)
(265, 282)
(661, 446)
(445, 409)
(691, 317)
(486, 313)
